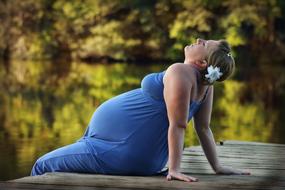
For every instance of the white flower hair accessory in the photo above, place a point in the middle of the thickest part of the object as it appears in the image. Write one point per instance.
(213, 74)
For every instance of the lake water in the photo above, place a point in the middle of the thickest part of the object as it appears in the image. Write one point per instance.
(46, 105)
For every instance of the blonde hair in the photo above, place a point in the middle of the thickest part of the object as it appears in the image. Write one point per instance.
(222, 58)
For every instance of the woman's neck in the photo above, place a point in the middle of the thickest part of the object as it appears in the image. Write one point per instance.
(196, 65)
(198, 71)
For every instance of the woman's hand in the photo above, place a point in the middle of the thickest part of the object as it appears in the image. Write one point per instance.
(179, 176)
(231, 171)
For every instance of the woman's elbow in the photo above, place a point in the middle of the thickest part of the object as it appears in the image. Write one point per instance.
(202, 128)
(178, 125)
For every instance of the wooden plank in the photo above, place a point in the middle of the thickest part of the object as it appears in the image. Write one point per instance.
(250, 143)
(264, 161)
(103, 181)
(29, 186)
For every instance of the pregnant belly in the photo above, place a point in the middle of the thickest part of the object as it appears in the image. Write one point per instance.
(140, 124)
(120, 117)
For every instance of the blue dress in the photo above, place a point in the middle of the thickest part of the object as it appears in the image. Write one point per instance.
(127, 135)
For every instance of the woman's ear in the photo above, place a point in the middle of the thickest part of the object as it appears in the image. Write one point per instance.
(202, 64)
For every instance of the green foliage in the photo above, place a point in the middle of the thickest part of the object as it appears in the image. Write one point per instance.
(237, 118)
(190, 23)
(134, 30)
(249, 20)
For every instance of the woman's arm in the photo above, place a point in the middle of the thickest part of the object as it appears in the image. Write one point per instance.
(177, 88)
(202, 125)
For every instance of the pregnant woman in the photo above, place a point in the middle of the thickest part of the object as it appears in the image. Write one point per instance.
(137, 132)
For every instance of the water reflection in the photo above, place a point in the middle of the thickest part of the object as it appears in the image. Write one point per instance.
(43, 108)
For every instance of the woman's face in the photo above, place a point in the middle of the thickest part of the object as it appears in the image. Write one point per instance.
(198, 51)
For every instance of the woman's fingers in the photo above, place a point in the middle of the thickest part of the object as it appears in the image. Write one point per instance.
(168, 177)
(231, 171)
(193, 179)
(181, 177)
(240, 172)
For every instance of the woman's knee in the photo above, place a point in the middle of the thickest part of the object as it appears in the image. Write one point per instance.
(39, 167)
(44, 164)
(71, 158)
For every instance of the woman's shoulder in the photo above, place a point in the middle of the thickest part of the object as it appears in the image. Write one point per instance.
(181, 71)
(175, 66)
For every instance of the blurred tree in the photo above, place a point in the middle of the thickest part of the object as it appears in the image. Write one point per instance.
(139, 30)
(254, 28)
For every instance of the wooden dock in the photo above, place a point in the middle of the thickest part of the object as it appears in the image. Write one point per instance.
(264, 161)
